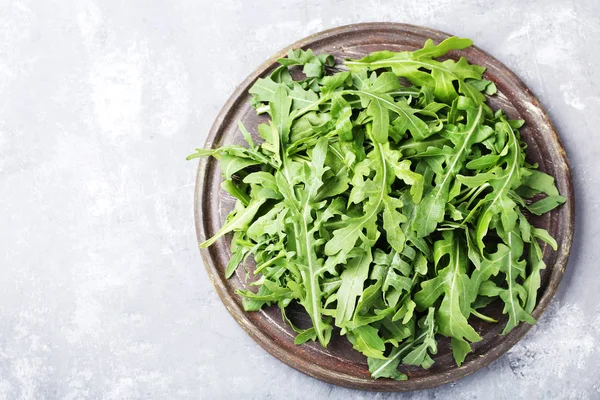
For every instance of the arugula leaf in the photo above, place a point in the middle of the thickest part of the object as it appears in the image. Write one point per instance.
(430, 211)
(353, 279)
(533, 281)
(407, 115)
(546, 204)
(388, 367)
(513, 269)
(441, 75)
(420, 355)
(314, 65)
(240, 221)
(366, 339)
(452, 283)
(394, 213)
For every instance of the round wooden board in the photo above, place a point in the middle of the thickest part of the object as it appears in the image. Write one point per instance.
(339, 363)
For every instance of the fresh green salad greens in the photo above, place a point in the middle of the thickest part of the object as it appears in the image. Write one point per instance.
(389, 201)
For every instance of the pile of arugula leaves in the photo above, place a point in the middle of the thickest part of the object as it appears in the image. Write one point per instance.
(389, 201)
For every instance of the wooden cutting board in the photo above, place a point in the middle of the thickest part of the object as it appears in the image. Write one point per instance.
(339, 363)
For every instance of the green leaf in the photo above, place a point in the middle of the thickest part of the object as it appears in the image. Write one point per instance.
(449, 44)
(540, 182)
(381, 119)
(512, 269)
(498, 201)
(402, 171)
(236, 258)
(264, 90)
(302, 98)
(247, 135)
(410, 120)
(533, 281)
(237, 191)
(394, 213)
(335, 81)
(256, 303)
(366, 339)
(279, 109)
(262, 178)
(387, 367)
(430, 211)
(441, 75)
(453, 283)
(342, 112)
(484, 162)
(490, 266)
(353, 279)
(392, 220)
(305, 336)
(240, 221)
(314, 66)
(405, 312)
(543, 235)
(420, 355)
(460, 349)
(546, 204)
(363, 227)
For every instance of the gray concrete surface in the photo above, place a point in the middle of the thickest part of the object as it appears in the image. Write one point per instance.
(102, 290)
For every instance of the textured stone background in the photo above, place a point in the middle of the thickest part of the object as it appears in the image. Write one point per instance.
(102, 291)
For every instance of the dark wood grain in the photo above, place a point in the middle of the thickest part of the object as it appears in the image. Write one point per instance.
(339, 363)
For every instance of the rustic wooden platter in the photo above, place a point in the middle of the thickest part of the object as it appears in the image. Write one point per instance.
(339, 363)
